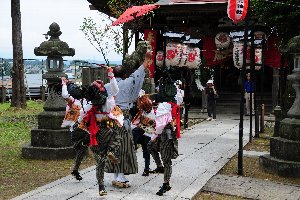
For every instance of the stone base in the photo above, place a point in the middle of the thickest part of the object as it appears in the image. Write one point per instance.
(280, 167)
(47, 153)
(284, 149)
(51, 138)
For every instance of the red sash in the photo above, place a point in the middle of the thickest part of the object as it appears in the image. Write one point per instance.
(93, 128)
(176, 115)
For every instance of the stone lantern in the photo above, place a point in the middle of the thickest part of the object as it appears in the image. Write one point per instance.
(284, 158)
(294, 48)
(49, 140)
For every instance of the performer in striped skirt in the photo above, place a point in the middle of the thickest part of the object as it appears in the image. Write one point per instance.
(129, 90)
(104, 120)
(167, 128)
(166, 142)
(127, 157)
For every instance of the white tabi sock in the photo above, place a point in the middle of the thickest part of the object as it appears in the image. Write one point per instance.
(116, 176)
(122, 178)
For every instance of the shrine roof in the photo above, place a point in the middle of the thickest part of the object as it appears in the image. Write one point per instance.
(172, 2)
(102, 6)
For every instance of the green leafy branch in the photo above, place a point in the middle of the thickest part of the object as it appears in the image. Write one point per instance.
(102, 36)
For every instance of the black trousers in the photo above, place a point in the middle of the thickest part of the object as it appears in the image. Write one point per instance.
(211, 108)
(80, 138)
(167, 144)
(140, 138)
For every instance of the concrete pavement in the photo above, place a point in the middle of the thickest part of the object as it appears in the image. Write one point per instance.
(204, 149)
(252, 188)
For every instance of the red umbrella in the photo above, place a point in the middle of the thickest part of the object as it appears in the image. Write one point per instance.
(134, 12)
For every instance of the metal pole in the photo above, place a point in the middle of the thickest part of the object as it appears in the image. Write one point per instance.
(241, 125)
(3, 96)
(262, 119)
(256, 116)
(75, 73)
(262, 83)
(2, 70)
(186, 105)
(252, 64)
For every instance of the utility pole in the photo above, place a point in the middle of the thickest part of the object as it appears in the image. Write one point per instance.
(243, 72)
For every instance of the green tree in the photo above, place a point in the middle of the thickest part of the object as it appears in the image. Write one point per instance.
(101, 35)
(283, 15)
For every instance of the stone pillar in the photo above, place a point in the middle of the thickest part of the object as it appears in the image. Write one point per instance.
(90, 74)
(49, 141)
(275, 88)
(149, 85)
(278, 118)
(284, 157)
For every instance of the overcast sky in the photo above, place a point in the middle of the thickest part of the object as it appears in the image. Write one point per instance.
(37, 15)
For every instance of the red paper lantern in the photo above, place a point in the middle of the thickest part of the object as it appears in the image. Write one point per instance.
(237, 10)
(160, 58)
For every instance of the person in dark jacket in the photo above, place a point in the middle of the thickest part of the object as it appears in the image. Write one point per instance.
(211, 94)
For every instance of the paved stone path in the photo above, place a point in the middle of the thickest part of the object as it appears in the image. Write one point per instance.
(204, 149)
(252, 188)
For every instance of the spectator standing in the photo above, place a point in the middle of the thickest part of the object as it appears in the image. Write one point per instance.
(211, 94)
(248, 89)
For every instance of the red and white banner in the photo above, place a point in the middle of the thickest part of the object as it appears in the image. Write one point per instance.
(193, 58)
(150, 36)
(237, 10)
(181, 55)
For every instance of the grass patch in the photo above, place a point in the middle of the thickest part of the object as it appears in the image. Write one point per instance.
(20, 175)
(253, 169)
(251, 164)
(261, 143)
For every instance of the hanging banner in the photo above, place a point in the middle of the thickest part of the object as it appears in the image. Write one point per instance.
(222, 40)
(212, 55)
(272, 55)
(160, 58)
(193, 58)
(237, 10)
(173, 54)
(150, 36)
(258, 58)
(181, 55)
(238, 49)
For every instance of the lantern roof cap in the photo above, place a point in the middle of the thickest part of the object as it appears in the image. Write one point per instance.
(293, 46)
(54, 46)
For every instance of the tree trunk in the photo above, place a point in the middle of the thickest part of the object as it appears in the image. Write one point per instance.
(18, 87)
(125, 42)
